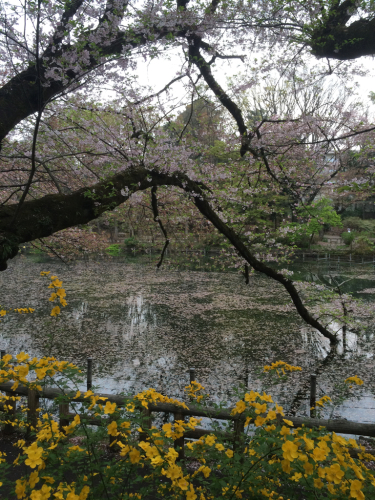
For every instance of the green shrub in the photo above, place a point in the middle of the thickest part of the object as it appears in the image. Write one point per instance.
(114, 249)
(348, 238)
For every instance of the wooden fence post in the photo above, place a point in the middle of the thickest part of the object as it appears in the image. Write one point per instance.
(239, 434)
(313, 395)
(63, 414)
(180, 442)
(32, 406)
(146, 423)
(89, 373)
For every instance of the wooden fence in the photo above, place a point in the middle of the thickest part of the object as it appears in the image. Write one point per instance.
(236, 436)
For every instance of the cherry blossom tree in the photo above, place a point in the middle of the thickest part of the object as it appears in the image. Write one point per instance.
(67, 157)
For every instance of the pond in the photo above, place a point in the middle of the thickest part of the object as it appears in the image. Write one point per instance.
(146, 328)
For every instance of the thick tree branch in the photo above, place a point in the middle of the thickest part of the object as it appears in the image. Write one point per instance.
(45, 216)
(333, 39)
(19, 98)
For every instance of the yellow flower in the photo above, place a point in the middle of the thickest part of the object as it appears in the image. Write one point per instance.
(219, 447)
(182, 484)
(334, 474)
(318, 483)
(42, 494)
(270, 428)
(285, 464)
(109, 407)
(190, 495)
(6, 358)
(45, 273)
(167, 429)
(21, 357)
(48, 479)
(229, 453)
(309, 443)
(206, 471)
(356, 489)
(239, 408)
(309, 468)
(22, 371)
(34, 454)
(157, 461)
(61, 293)
(171, 456)
(20, 488)
(319, 454)
(135, 456)
(124, 450)
(357, 471)
(41, 372)
(285, 431)
(290, 450)
(3, 312)
(288, 422)
(53, 297)
(84, 493)
(72, 496)
(296, 477)
(266, 397)
(251, 396)
(33, 479)
(271, 415)
(55, 311)
(173, 472)
(354, 379)
(210, 440)
(112, 429)
(76, 448)
(259, 421)
(63, 302)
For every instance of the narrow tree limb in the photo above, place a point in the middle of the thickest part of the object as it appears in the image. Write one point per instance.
(154, 203)
(204, 68)
(247, 278)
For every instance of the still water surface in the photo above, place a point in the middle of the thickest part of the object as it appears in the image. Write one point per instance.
(146, 328)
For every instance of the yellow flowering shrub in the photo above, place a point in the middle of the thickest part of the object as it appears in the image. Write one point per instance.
(270, 459)
(58, 293)
(193, 389)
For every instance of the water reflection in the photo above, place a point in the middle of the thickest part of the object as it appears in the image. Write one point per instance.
(145, 328)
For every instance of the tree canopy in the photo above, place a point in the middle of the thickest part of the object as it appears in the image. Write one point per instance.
(67, 155)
